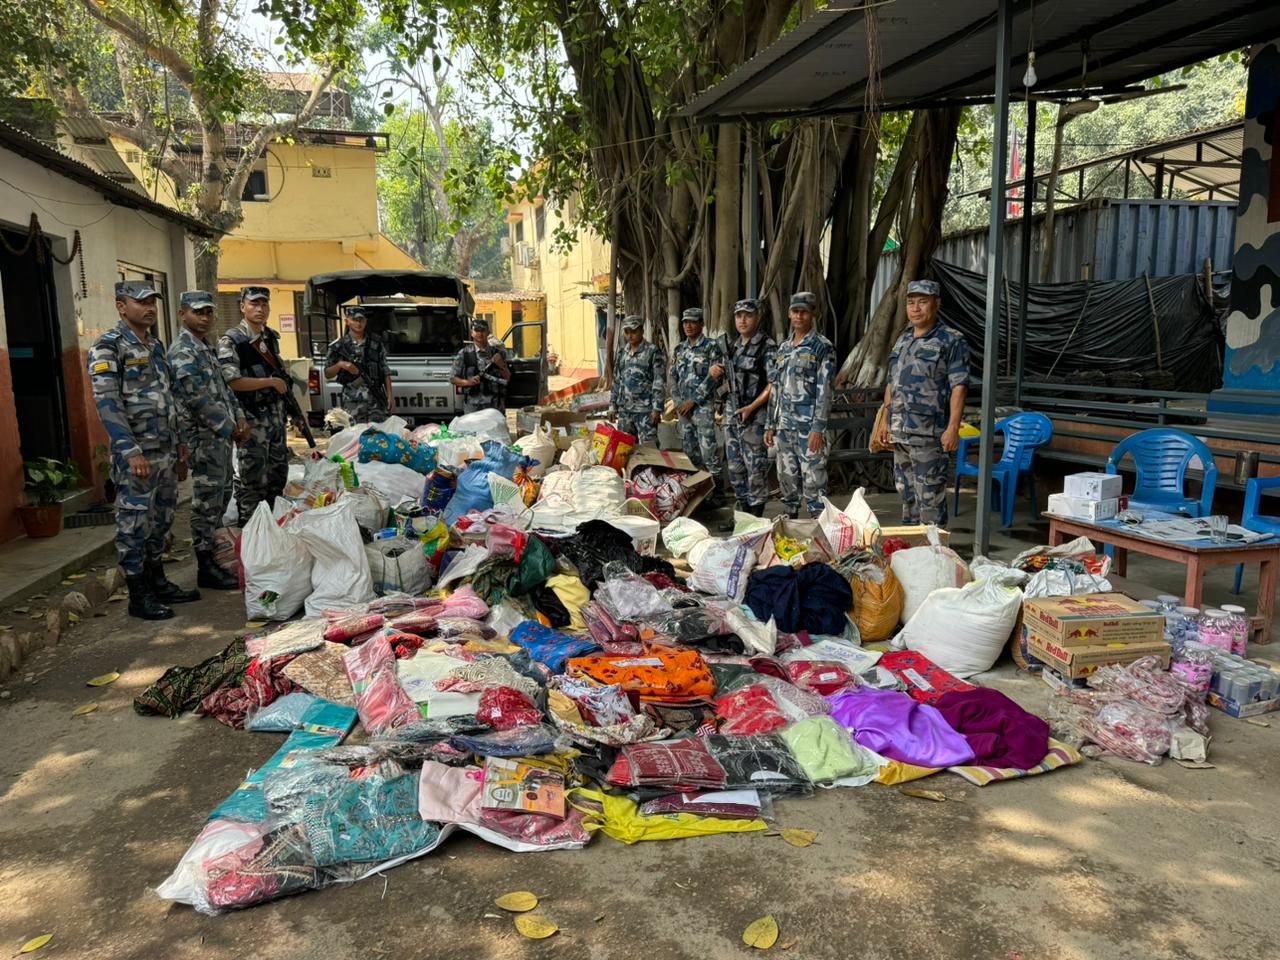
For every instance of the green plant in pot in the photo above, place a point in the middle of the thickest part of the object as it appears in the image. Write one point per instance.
(48, 482)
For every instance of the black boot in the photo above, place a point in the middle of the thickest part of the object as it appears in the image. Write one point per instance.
(210, 575)
(726, 526)
(143, 603)
(164, 588)
(757, 510)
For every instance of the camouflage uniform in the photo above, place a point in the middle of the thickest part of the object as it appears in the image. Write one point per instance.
(639, 389)
(748, 366)
(802, 375)
(207, 415)
(357, 398)
(922, 373)
(131, 387)
(691, 380)
(491, 392)
(263, 459)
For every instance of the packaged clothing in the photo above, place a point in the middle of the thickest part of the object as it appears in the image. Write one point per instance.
(368, 820)
(448, 794)
(1000, 732)
(924, 679)
(895, 726)
(684, 765)
(759, 762)
(820, 676)
(180, 688)
(814, 598)
(526, 832)
(692, 719)
(275, 865)
(599, 705)
(517, 742)
(504, 708)
(619, 817)
(729, 804)
(346, 627)
(548, 647)
(748, 711)
(281, 715)
(628, 596)
(322, 673)
(187, 883)
(419, 673)
(723, 567)
(379, 697)
(568, 715)
(826, 752)
(658, 674)
(293, 638)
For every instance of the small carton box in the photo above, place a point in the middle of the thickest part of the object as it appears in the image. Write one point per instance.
(1241, 710)
(916, 536)
(697, 483)
(1081, 508)
(1072, 663)
(1090, 619)
(1093, 486)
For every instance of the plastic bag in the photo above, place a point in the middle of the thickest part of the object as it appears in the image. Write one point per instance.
(277, 568)
(842, 531)
(964, 629)
(680, 535)
(877, 598)
(397, 565)
(611, 447)
(796, 543)
(454, 452)
(394, 481)
(279, 716)
(578, 456)
(187, 883)
(473, 493)
(1057, 582)
(861, 513)
(380, 700)
(439, 489)
(370, 508)
(628, 596)
(340, 572)
(749, 711)
(725, 566)
(321, 482)
(485, 424)
(540, 448)
(505, 708)
(921, 570)
(1129, 730)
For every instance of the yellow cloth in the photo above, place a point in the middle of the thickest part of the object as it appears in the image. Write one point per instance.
(573, 593)
(620, 818)
(899, 772)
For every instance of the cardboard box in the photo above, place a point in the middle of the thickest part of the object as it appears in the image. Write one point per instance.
(1076, 662)
(916, 536)
(1093, 486)
(1080, 508)
(1241, 710)
(698, 483)
(1091, 619)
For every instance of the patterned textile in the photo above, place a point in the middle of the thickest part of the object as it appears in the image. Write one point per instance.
(535, 828)
(489, 672)
(321, 672)
(567, 715)
(683, 765)
(926, 681)
(379, 697)
(749, 711)
(1059, 755)
(264, 681)
(549, 647)
(273, 866)
(664, 674)
(181, 688)
(368, 821)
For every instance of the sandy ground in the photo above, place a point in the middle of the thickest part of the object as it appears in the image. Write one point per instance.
(1110, 859)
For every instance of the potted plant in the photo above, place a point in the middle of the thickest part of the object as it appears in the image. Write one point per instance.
(48, 482)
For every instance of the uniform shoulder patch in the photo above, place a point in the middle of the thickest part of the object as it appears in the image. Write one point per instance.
(136, 361)
(103, 366)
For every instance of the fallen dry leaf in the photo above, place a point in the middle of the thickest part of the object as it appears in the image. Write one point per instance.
(521, 901)
(599, 918)
(5, 627)
(68, 582)
(937, 796)
(117, 597)
(103, 680)
(21, 609)
(761, 934)
(77, 576)
(73, 618)
(1195, 764)
(35, 943)
(786, 946)
(1256, 722)
(535, 927)
(81, 711)
(797, 837)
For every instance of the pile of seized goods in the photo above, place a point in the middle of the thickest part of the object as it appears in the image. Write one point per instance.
(526, 664)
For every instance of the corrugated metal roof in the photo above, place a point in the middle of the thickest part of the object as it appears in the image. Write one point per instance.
(88, 138)
(509, 295)
(931, 53)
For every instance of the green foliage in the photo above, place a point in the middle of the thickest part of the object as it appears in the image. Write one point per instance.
(49, 480)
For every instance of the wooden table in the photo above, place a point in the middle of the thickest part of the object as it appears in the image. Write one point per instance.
(1196, 556)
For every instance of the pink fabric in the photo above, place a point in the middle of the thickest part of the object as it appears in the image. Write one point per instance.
(465, 603)
(380, 700)
(450, 794)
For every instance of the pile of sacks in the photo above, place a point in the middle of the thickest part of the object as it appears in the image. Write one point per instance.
(551, 685)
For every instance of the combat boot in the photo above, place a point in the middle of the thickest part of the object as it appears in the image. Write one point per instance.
(164, 588)
(142, 602)
(726, 526)
(757, 510)
(210, 575)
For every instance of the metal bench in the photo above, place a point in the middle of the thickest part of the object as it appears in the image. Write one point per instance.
(853, 414)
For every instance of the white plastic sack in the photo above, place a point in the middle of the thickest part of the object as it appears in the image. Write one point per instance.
(758, 638)
(454, 452)
(394, 481)
(370, 508)
(398, 565)
(277, 568)
(680, 535)
(485, 424)
(579, 456)
(321, 479)
(860, 512)
(187, 884)
(921, 570)
(340, 577)
(599, 492)
(985, 568)
(725, 566)
(841, 531)
(1064, 583)
(963, 629)
(540, 448)
(346, 443)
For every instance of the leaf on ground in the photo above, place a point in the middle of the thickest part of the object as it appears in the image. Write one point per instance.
(797, 837)
(1195, 764)
(535, 927)
(73, 618)
(68, 582)
(786, 946)
(255, 624)
(81, 711)
(38, 596)
(77, 576)
(104, 679)
(599, 918)
(35, 943)
(117, 597)
(38, 615)
(761, 934)
(521, 901)
(5, 627)
(937, 796)
(1256, 722)
(21, 609)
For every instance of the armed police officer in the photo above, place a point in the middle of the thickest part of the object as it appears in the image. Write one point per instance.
(801, 375)
(210, 423)
(249, 358)
(693, 388)
(639, 383)
(928, 384)
(747, 409)
(480, 371)
(359, 364)
(131, 388)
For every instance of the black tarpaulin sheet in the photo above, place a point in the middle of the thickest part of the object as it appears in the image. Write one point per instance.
(1096, 326)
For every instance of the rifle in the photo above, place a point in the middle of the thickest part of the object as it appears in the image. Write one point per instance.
(377, 389)
(291, 406)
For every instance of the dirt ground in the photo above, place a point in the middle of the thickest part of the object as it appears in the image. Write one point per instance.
(1109, 859)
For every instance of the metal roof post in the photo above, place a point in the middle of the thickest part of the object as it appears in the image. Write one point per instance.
(1024, 265)
(995, 274)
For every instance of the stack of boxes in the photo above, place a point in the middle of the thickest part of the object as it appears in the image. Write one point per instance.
(1088, 496)
(1073, 636)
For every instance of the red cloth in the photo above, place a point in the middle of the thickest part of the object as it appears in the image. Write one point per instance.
(925, 680)
(264, 681)
(749, 711)
(343, 629)
(820, 676)
(505, 708)
(684, 765)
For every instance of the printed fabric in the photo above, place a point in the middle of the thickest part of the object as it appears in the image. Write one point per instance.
(368, 820)
(549, 647)
(181, 688)
(749, 711)
(679, 764)
(659, 674)
(759, 763)
(925, 680)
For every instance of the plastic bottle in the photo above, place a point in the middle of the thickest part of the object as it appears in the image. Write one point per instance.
(1241, 628)
(1216, 629)
(1169, 602)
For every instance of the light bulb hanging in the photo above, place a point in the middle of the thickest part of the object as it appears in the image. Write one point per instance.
(1029, 78)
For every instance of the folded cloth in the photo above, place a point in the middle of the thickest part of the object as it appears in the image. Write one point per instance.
(662, 674)
(895, 726)
(321, 672)
(549, 647)
(683, 765)
(731, 804)
(1059, 755)
(925, 680)
(1000, 732)
(181, 688)
(814, 598)
(826, 752)
(759, 763)
(749, 711)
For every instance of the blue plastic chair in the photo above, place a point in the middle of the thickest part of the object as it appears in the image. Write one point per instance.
(1024, 434)
(1251, 519)
(1160, 457)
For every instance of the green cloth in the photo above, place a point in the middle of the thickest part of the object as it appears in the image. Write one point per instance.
(825, 750)
(180, 688)
(536, 565)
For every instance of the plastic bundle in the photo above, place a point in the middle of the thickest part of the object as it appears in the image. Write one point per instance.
(420, 622)
(505, 708)
(797, 704)
(599, 705)
(529, 741)
(1129, 730)
(628, 596)
(749, 711)
(1146, 683)
(344, 626)
(286, 789)
(281, 716)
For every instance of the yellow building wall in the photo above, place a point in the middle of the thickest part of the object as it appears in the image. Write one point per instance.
(501, 312)
(563, 277)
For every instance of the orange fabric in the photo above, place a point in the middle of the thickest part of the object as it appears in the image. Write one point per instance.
(659, 674)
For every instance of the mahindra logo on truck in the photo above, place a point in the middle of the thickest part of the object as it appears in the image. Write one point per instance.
(419, 400)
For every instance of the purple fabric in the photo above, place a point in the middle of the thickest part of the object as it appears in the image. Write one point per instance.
(895, 726)
(1000, 732)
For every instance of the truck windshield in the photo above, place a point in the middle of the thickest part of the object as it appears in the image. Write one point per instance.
(417, 329)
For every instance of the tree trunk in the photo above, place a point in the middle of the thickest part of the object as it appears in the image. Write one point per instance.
(207, 267)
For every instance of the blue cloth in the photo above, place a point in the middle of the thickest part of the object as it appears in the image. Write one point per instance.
(367, 821)
(548, 647)
(814, 598)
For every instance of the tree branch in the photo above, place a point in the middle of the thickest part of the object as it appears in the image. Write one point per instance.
(120, 22)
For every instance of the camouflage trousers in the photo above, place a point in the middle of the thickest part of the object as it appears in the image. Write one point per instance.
(748, 459)
(144, 510)
(801, 472)
(357, 400)
(698, 436)
(211, 486)
(920, 474)
(262, 464)
(638, 422)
